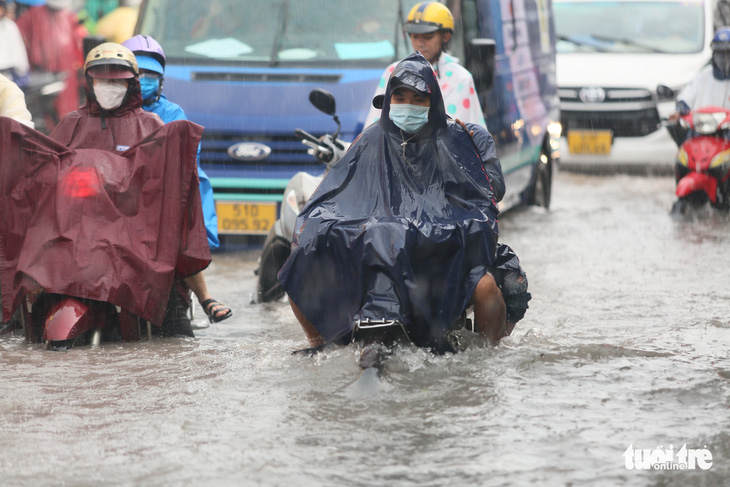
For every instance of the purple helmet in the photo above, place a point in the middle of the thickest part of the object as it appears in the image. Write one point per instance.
(148, 51)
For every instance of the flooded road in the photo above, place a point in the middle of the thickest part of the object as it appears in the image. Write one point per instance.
(624, 349)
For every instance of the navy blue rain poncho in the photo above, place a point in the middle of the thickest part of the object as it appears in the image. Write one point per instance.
(399, 233)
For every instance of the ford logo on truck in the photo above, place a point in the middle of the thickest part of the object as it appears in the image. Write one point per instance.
(249, 151)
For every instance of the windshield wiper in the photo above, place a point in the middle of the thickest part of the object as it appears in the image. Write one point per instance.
(581, 42)
(279, 38)
(628, 42)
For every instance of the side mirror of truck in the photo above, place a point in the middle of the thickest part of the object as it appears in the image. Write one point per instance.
(665, 92)
(323, 101)
(480, 61)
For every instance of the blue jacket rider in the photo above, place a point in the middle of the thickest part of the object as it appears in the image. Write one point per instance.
(151, 61)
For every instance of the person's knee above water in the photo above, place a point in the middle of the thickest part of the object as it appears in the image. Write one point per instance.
(430, 26)
(405, 224)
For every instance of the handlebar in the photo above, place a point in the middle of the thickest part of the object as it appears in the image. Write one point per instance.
(301, 134)
(318, 148)
(327, 148)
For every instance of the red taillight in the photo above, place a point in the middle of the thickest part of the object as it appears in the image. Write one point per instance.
(81, 182)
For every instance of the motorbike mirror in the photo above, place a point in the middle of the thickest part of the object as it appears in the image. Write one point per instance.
(665, 92)
(322, 101)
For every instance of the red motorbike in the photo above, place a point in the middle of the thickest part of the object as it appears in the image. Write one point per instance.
(62, 322)
(702, 169)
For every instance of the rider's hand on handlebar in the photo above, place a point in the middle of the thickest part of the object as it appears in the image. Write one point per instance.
(463, 125)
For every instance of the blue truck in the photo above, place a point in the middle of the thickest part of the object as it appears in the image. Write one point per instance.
(244, 68)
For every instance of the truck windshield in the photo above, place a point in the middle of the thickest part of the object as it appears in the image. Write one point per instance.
(629, 27)
(276, 31)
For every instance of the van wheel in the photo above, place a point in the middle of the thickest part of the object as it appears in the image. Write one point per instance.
(273, 257)
(541, 188)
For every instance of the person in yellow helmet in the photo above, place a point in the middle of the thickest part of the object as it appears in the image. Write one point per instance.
(430, 26)
(118, 25)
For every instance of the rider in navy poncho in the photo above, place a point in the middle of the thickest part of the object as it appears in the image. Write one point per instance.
(403, 228)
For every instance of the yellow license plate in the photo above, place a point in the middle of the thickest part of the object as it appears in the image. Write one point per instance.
(245, 218)
(590, 141)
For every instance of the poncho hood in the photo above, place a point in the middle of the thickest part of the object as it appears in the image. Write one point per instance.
(415, 71)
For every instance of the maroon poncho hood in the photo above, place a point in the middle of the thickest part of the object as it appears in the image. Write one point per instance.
(94, 224)
(90, 127)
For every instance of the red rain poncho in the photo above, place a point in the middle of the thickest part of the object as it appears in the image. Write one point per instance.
(94, 224)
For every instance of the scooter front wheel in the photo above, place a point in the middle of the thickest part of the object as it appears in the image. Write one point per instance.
(679, 207)
(275, 253)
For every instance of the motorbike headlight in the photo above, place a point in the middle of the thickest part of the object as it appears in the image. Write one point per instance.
(682, 157)
(555, 129)
(707, 123)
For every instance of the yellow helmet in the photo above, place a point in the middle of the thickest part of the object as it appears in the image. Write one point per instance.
(111, 61)
(428, 17)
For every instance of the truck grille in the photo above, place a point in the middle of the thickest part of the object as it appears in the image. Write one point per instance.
(613, 95)
(633, 123)
(267, 77)
(627, 112)
(285, 150)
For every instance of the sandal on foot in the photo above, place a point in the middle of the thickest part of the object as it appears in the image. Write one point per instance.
(208, 306)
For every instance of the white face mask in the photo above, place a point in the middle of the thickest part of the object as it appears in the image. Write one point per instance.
(109, 93)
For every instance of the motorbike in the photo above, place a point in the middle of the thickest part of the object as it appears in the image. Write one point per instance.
(702, 168)
(378, 339)
(62, 322)
(40, 95)
(327, 149)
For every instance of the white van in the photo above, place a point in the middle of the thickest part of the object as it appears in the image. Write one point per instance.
(611, 55)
